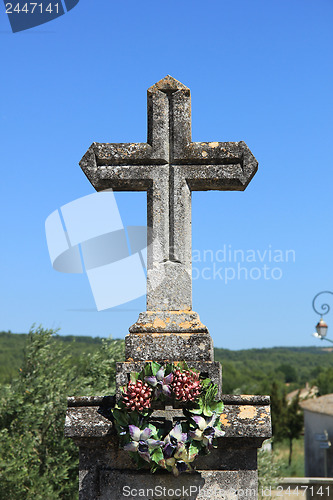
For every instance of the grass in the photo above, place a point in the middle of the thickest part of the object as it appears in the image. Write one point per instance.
(274, 466)
(281, 451)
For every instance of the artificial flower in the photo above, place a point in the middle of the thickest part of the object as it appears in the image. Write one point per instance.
(160, 382)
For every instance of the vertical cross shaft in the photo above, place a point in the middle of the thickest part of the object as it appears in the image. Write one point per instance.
(169, 166)
(169, 278)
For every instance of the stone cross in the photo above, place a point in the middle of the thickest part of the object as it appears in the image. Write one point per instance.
(169, 166)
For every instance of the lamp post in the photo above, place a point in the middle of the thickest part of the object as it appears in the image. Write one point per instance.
(321, 326)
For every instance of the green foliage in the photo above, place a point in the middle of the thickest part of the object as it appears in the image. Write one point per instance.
(100, 367)
(278, 411)
(324, 381)
(281, 452)
(36, 460)
(287, 419)
(253, 371)
(269, 472)
(273, 466)
(12, 348)
(289, 372)
(250, 371)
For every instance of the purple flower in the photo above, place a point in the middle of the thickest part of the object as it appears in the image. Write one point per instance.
(174, 440)
(141, 442)
(206, 431)
(178, 466)
(181, 467)
(160, 382)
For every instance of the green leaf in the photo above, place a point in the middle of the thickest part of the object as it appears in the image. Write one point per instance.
(157, 455)
(196, 411)
(168, 368)
(148, 370)
(207, 411)
(120, 416)
(145, 413)
(134, 418)
(218, 424)
(182, 366)
(134, 376)
(155, 367)
(153, 428)
(194, 448)
(160, 434)
(154, 468)
(217, 407)
(205, 382)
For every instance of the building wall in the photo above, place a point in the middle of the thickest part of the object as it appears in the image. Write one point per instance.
(317, 423)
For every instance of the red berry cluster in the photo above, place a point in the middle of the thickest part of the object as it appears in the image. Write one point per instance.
(186, 385)
(138, 396)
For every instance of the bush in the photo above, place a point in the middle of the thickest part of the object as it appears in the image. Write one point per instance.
(36, 460)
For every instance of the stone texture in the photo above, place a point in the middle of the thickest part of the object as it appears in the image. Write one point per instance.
(169, 347)
(242, 417)
(169, 166)
(217, 485)
(168, 322)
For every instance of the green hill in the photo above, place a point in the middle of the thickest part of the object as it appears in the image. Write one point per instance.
(252, 371)
(245, 371)
(12, 347)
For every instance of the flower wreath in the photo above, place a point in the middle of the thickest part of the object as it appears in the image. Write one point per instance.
(166, 447)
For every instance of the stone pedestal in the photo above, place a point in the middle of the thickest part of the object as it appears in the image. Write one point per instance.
(107, 472)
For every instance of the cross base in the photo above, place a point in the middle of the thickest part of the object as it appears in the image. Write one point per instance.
(183, 321)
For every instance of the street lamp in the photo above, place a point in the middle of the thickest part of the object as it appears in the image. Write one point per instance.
(321, 326)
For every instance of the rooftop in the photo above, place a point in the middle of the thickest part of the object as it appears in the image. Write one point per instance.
(323, 404)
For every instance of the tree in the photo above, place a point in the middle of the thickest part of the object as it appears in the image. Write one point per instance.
(289, 372)
(278, 404)
(36, 460)
(100, 369)
(294, 423)
(324, 381)
(287, 419)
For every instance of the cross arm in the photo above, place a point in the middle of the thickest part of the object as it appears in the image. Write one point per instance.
(217, 165)
(120, 166)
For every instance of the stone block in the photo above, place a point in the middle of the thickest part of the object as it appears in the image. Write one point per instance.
(169, 347)
(244, 418)
(217, 485)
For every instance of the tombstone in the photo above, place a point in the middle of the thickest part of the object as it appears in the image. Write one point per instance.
(169, 167)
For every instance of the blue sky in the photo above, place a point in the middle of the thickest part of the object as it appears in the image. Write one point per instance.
(259, 71)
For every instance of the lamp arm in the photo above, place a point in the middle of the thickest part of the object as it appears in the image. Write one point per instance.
(325, 308)
(328, 340)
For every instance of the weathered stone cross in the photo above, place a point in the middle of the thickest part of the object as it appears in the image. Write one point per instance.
(169, 166)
